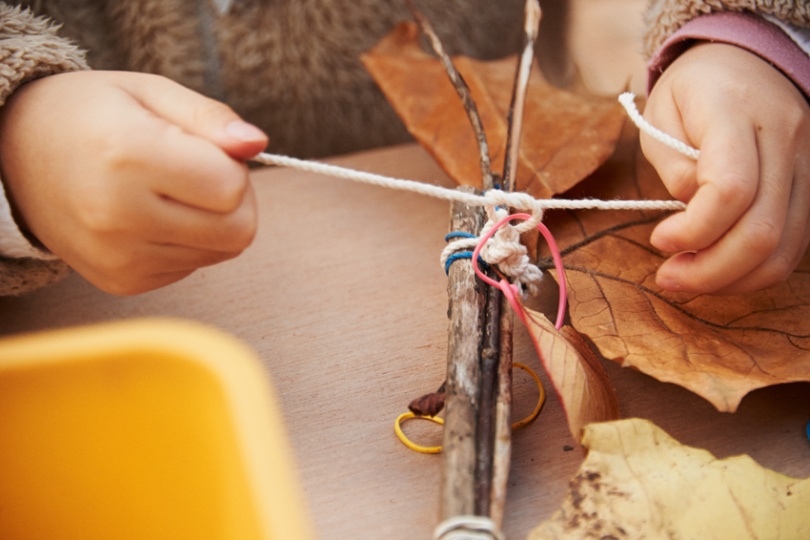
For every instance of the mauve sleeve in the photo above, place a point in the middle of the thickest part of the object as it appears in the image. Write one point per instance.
(745, 30)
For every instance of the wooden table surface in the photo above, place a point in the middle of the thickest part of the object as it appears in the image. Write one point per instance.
(343, 299)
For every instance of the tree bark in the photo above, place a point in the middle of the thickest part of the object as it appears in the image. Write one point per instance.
(477, 432)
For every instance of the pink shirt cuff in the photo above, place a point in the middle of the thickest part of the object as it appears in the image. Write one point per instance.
(744, 30)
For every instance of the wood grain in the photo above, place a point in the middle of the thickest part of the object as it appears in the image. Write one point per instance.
(346, 307)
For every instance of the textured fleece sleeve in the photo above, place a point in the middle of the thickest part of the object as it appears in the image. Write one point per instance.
(665, 17)
(782, 45)
(29, 49)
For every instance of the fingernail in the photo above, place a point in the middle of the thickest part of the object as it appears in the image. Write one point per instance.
(668, 283)
(244, 131)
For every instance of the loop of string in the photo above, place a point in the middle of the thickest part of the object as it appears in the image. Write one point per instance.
(628, 101)
(504, 249)
(507, 252)
(512, 291)
(467, 528)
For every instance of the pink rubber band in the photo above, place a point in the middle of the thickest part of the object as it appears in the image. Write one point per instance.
(509, 290)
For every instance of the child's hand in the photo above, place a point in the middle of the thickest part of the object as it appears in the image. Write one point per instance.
(131, 179)
(748, 195)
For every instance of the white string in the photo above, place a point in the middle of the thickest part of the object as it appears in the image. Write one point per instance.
(493, 197)
(467, 528)
(458, 244)
(504, 249)
(627, 99)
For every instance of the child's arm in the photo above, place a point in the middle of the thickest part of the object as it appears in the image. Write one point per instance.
(746, 225)
(132, 180)
(29, 48)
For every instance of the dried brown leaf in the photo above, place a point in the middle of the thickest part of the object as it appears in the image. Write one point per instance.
(638, 482)
(429, 404)
(566, 136)
(579, 379)
(721, 348)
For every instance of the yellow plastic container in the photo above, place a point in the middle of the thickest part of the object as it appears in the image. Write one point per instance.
(151, 429)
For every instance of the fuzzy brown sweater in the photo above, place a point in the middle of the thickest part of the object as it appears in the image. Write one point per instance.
(291, 67)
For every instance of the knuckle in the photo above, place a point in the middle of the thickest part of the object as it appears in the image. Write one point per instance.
(240, 227)
(243, 234)
(734, 190)
(209, 110)
(231, 191)
(113, 148)
(736, 90)
(763, 236)
(226, 184)
(777, 270)
(99, 215)
(679, 180)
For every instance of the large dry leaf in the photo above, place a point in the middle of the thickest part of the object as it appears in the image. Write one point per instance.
(718, 347)
(566, 136)
(579, 379)
(638, 482)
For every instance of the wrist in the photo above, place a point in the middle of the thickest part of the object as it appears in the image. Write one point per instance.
(14, 243)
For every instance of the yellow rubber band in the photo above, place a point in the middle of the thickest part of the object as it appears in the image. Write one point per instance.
(409, 443)
(541, 399)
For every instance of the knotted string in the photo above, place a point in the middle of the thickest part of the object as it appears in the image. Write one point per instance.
(505, 250)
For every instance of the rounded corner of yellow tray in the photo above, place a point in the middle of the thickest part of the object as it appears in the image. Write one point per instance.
(148, 428)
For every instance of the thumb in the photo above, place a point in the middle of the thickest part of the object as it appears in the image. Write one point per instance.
(198, 115)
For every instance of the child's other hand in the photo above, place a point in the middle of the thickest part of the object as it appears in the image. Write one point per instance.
(746, 225)
(131, 179)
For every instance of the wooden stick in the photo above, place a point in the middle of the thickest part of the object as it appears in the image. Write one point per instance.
(502, 446)
(531, 25)
(478, 388)
(488, 398)
(463, 91)
(477, 434)
(502, 430)
(466, 307)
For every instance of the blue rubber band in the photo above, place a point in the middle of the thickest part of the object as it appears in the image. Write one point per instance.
(462, 255)
(807, 429)
(458, 234)
(455, 257)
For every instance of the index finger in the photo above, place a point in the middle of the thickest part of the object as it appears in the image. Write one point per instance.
(728, 171)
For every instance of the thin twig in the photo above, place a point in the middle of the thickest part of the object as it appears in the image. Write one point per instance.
(488, 397)
(463, 91)
(466, 313)
(515, 117)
